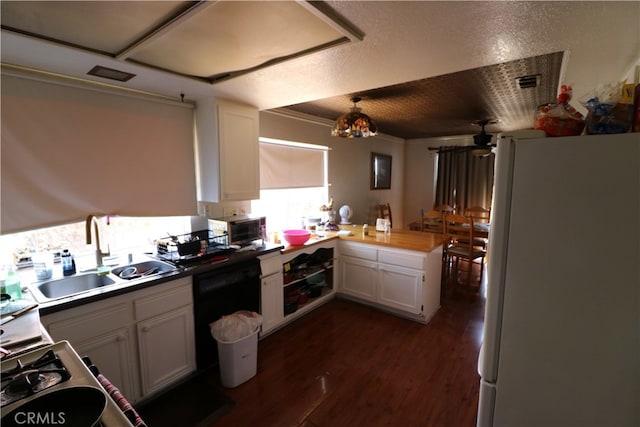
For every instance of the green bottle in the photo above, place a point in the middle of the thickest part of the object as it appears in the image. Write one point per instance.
(12, 286)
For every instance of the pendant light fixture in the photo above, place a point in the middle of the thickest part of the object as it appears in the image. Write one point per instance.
(354, 124)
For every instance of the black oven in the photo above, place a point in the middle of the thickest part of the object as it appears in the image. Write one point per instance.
(218, 293)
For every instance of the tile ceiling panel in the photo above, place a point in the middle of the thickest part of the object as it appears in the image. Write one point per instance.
(104, 26)
(232, 36)
(449, 104)
(208, 40)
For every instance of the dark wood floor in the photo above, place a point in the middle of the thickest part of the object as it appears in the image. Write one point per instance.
(346, 364)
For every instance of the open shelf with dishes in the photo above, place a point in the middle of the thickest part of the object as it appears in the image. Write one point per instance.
(308, 279)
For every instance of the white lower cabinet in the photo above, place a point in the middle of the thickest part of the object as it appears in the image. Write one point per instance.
(111, 352)
(299, 266)
(400, 288)
(402, 281)
(359, 278)
(142, 341)
(167, 349)
(271, 302)
(102, 331)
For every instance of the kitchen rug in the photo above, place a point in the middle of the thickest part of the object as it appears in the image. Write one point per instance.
(196, 402)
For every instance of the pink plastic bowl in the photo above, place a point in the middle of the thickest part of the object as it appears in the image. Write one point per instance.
(296, 237)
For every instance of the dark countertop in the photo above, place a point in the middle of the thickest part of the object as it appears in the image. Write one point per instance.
(120, 288)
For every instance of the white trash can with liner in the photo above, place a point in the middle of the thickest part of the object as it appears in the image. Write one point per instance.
(237, 338)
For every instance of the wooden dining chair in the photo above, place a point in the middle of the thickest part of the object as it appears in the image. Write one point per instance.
(479, 215)
(432, 221)
(385, 213)
(459, 245)
(444, 209)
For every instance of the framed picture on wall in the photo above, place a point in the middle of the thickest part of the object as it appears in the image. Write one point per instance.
(380, 171)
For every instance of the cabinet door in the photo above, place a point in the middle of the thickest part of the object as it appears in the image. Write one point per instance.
(102, 332)
(167, 348)
(401, 288)
(359, 278)
(239, 152)
(110, 353)
(271, 302)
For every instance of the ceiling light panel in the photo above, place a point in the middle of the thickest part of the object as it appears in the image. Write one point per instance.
(229, 37)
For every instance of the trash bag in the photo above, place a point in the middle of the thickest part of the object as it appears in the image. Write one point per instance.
(235, 326)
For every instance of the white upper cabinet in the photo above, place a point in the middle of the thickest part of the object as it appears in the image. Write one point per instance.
(228, 151)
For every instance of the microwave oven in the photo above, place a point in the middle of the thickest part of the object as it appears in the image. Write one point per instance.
(240, 229)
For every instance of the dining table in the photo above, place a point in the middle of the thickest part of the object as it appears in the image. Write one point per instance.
(481, 229)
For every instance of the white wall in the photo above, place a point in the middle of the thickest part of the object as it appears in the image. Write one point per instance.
(349, 161)
(419, 179)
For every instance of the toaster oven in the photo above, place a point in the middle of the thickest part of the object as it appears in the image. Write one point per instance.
(240, 229)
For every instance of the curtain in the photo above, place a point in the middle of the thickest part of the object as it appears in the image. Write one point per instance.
(464, 180)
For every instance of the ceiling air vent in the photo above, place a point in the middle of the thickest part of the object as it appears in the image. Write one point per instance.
(110, 73)
(525, 82)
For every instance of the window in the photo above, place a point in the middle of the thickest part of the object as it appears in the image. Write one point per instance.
(293, 182)
(120, 235)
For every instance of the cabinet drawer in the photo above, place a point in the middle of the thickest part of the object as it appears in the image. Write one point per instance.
(161, 302)
(368, 252)
(270, 265)
(401, 258)
(99, 322)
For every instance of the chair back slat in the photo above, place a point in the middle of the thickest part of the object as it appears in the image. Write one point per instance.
(432, 221)
(478, 214)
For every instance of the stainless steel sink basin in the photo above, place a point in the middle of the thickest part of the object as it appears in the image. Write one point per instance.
(73, 285)
(142, 269)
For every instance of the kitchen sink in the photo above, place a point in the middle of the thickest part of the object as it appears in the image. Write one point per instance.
(142, 269)
(73, 285)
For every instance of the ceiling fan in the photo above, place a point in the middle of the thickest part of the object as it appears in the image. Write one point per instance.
(481, 142)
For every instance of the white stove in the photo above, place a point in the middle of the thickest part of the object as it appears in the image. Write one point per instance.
(48, 370)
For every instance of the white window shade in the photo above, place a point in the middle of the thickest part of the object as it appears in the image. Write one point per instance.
(68, 152)
(289, 166)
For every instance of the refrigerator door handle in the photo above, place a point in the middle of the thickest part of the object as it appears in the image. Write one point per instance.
(480, 359)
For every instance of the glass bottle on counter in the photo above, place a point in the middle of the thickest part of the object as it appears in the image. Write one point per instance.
(12, 285)
(68, 263)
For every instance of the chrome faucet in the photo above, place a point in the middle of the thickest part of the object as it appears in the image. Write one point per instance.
(92, 220)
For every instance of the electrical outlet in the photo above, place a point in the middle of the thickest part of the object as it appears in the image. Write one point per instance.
(243, 211)
(205, 209)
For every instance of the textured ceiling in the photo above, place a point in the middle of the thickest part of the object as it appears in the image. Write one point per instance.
(423, 68)
(449, 104)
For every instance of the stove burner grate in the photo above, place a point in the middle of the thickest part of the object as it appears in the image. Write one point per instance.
(26, 380)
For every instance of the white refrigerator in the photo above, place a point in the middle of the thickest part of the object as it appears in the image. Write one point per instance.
(561, 343)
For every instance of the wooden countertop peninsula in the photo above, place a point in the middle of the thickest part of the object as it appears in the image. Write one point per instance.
(401, 239)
